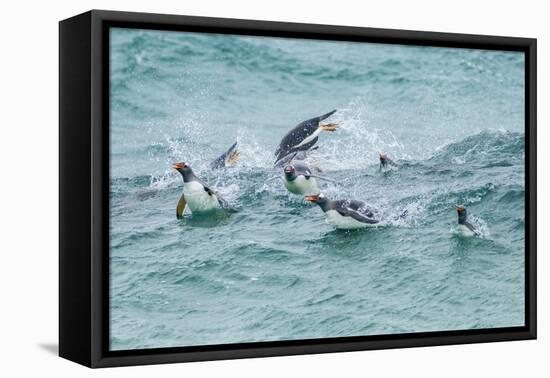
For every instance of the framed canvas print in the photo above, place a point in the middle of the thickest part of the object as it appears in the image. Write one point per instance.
(234, 188)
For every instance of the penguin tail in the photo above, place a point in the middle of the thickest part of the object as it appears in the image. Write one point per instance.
(321, 178)
(325, 116)
(233, 146)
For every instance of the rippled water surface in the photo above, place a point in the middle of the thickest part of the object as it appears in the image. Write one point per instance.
(274, 270)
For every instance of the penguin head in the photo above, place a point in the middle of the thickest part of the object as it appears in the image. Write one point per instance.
(317, 198)
(182, 168)
(290, 172)
(383, 158)
(462, 214)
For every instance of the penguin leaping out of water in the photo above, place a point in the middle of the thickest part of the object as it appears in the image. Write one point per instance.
(386, 162)
(299, 179)
(303, 136)
(345, 214)
(196, 194)
(228, 159)
(463, 225)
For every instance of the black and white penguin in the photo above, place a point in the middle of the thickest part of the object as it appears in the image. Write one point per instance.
(299, 179)
(465, 227)
(228, 159)
(345, 214)
(386, 162)
(303, 136)
(196, 194)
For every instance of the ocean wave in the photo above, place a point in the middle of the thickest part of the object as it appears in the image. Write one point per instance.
(486, 146)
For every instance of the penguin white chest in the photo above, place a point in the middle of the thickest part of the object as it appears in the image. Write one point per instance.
(302, 186)
(309, 138)
(338, 220)
(198, 199)
(464, 231)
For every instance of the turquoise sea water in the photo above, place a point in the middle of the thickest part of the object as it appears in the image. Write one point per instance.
(452, 118)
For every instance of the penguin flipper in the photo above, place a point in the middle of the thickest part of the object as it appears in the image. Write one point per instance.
(208, 190)
(320, 177)
(283, 152)
(224, 204)
(181, 207)
(206, 187)
(471, 228)
(358, 216)
(285, 160)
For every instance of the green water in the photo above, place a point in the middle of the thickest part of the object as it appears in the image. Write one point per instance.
(274, 270)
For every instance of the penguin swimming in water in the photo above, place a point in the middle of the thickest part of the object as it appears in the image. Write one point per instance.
(303, 136)
(386, 162)
(228, 159)
(465, 227)
(345, 214)
(196, 194)
(299, 179)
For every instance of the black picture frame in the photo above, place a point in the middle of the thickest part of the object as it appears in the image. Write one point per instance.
(84, 190)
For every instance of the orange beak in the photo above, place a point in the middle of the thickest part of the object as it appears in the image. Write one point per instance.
(179, 165)
(311, 198)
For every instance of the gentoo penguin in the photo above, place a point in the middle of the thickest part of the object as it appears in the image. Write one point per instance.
(228, 159)
(299, 179)
(345, 214)
(196, 194)
(465, 227)
(386, 162)
(303, 136)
